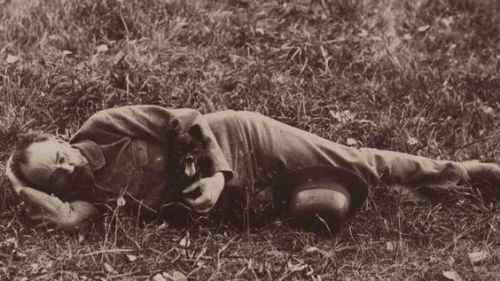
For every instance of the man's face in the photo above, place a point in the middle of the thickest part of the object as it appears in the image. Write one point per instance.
(52, 163)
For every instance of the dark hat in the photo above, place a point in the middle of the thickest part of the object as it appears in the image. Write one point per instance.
(324, 177)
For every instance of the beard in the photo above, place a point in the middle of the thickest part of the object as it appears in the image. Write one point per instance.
(72, 186)
(83, 178)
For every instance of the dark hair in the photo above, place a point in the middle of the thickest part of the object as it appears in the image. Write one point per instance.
(19, 155)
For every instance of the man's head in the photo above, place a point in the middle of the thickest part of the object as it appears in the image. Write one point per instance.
(48, 163)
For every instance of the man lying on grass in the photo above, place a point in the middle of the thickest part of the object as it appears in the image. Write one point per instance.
(252, 169)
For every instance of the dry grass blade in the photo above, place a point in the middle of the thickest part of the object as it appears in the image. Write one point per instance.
(415, 76)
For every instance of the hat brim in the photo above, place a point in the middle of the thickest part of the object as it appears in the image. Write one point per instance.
(326, 177)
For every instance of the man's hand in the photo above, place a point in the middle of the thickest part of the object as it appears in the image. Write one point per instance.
(209, 190)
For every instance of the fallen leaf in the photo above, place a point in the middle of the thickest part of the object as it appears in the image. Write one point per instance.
(411, 140)
(35, 267)
(447, 21)
(312, 249)
(296, 267)
(12, 241)
(363, 33)
(102, 48)
(342, 117)
(109, 268)
(340, 39)
(488, 110)
(477, 257)
(131, 258)
(419, 119)
(19, 255)
(178, 276)
(452, 275)
(389, 246)
(118, 57)
(81, 237)
(185, 241)
(49, 264)
(423, 28)
(12, 59)
(158, 277)
(120, 202)
(352, 142)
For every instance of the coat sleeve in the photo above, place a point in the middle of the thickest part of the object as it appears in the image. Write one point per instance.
(151, 122)
(50, 210)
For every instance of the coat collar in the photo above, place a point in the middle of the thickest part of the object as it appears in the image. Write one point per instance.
(92, 152)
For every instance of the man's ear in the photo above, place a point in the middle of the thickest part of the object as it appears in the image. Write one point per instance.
(197, 134)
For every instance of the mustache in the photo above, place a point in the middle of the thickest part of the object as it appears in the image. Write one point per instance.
(82, 177)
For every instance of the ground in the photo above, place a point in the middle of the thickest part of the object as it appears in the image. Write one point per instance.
(410, 75)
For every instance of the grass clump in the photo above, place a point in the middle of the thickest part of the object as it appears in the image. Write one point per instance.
(414, 76)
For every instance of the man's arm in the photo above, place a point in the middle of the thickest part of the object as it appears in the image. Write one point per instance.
(50, 210)
(151, 122)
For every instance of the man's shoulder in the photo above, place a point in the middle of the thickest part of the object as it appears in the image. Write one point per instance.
(103, 113)
(238, 116)
(222, 116)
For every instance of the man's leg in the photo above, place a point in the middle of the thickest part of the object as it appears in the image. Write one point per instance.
(422, 172)
(325, 209)
(302, 149)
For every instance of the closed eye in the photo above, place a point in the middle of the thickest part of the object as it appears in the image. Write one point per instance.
(60, 158)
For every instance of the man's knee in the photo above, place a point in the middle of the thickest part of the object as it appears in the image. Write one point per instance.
(320, 207)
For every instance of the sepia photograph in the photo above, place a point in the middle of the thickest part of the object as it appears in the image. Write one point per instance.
(176, 140)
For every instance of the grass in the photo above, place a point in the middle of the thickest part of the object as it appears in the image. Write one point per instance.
(414, 76)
